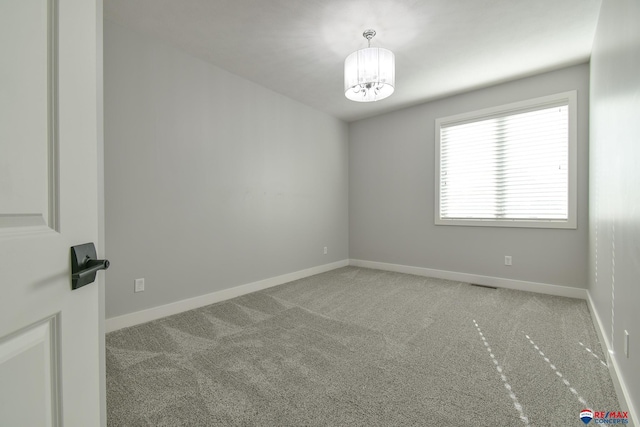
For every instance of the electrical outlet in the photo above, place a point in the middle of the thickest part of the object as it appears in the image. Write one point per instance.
(507, 260)
(325, 250)
(626, 343)
(138, 285)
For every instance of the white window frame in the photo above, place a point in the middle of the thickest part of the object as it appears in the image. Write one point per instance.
(522, 106)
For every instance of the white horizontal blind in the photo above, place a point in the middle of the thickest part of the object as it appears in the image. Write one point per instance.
(512, 166)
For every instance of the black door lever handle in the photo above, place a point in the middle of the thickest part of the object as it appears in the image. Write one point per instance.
(84, 265)
(91, 266)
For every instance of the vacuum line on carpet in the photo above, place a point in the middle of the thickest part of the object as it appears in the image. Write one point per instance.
(593, 354)
(503, 377)
(613, 285)
(558, 373)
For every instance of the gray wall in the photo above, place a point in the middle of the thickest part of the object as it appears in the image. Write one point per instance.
(391, 187)
(211, 181)
(615, 184)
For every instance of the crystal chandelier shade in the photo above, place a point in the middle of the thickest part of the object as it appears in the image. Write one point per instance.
(369, 73)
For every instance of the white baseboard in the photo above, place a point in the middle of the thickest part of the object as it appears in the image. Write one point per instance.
(154, 313)
(618, 382)
(520, 285)
(138, 317)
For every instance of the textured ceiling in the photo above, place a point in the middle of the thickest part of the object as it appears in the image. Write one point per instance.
(442, 47)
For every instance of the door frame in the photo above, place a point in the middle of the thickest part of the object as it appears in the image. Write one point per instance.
(101, 208)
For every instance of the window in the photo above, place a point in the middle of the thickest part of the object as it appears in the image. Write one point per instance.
(509, 166)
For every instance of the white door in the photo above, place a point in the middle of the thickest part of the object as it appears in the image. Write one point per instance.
(49, 334)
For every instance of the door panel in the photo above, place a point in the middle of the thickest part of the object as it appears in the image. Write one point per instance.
(27, 152)
(49, 334)
(29, 361)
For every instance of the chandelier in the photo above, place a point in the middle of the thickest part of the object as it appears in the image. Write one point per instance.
(369, 73)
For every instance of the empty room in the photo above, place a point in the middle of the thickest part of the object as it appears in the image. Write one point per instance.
(320, 213)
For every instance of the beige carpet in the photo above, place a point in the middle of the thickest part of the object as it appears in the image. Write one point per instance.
(361, 347)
